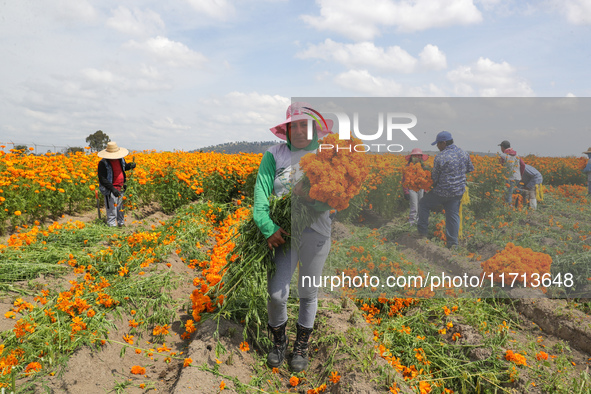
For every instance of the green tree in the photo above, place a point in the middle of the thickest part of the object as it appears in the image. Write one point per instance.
(73, 149)
(24, 149)
(97, 141)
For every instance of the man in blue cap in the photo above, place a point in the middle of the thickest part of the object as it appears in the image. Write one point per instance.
(449, 184)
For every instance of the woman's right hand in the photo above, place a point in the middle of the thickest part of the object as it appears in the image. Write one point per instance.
(276, 239)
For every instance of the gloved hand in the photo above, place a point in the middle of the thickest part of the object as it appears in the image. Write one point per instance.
(116, 193)
(132, 165)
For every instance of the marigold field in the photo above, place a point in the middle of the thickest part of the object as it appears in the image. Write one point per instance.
(148, 292)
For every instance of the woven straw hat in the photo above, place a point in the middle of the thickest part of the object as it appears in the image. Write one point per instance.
(588, 150)
(113, 151)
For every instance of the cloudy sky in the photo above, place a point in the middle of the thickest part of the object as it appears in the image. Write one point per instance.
(184, 74)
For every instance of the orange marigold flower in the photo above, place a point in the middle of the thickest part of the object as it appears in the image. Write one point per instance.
(187, 362)
(542, 356)
(244, 347)
(294, 381)
(515, 357)
(334, 377)
(137, 370)
(33, 367)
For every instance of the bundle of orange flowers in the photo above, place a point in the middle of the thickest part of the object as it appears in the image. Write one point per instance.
(416, 178)
(517, 260)
(336, 174)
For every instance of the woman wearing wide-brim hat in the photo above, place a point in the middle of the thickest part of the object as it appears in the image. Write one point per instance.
(278, 172)
(587, 170)
(111, 175)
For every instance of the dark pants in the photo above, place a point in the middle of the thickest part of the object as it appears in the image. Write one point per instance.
(452, 215)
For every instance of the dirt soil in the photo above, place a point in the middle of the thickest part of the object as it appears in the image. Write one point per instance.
(341, 337)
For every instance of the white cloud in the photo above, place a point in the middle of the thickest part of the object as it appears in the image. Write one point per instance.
(433, 58)
(132, 81)
(576, 11)
(489, 79)
(531, 134)
(239, 116)
(363, 20)
(362, 54)
(217, 9)
(489, 4)
(44, 117)
(173, 53)
(74, 10)
(136, 22)
(169, 124)
(366, 54)
(570, 95)
(362, 81)
(98, 76)
(249, 108)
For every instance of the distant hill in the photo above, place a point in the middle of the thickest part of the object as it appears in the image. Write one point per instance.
(237, 147)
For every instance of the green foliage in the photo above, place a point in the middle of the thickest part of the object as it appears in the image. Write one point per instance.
(97, 141)
(74, 149)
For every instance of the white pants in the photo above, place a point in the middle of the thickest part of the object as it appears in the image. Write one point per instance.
(414, 198)
(114, 207)
(533, 202)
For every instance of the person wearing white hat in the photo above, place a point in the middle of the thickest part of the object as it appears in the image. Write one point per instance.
(111, 175)
(587, 170)
(278, 171)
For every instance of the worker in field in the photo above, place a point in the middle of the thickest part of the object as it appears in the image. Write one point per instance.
(587, 170)
(509, 158)
(111, 175)
(416, 156)
(450, 167)
(531, 180)
(278, 172)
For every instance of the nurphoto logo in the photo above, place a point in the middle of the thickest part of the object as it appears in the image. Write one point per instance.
(393, 123)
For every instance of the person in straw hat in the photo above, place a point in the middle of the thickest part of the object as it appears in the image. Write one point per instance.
(416, 156)
(587, 170)
(111, 175)
(278, 171)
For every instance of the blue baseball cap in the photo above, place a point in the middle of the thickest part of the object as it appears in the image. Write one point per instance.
(442, 137)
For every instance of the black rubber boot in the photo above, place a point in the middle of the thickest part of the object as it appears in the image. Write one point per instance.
(277, 354)
(299, 360)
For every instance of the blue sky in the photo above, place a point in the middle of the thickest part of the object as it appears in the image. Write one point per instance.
(184, 74)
